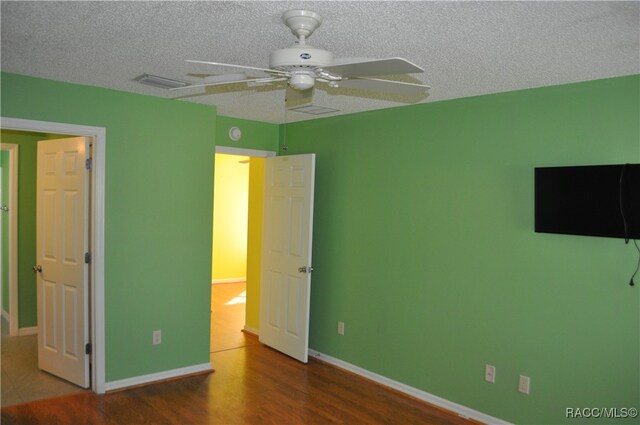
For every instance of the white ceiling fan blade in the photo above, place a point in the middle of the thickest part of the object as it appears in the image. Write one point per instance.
(220, 83)
(225, 77)
(295, 98)
(230, 65)
(384, 86)
(266, 81)
(369, 68)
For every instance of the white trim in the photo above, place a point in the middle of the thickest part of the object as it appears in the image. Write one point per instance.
(459, 409)
(154, 377)
(244, 152)
(99, 135)
(229, 280)
(251, 330)
(32, 330)
(13, 150)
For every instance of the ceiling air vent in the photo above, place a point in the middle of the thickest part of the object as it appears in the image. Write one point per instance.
(314, 110)
(161, 82)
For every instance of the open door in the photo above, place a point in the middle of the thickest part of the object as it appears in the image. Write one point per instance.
(62, 241)
(286, 254)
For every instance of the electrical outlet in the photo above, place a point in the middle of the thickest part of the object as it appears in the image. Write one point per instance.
(340, 328)
(524, 384)
(490, 373)
(157, 337)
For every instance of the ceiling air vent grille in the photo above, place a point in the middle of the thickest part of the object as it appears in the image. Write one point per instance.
(314, 110)
(161, 82)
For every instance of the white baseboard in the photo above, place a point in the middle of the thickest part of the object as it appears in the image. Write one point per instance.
(153, 377)
(460, 410)
(229, 280)
(33, 330)
(251, 330)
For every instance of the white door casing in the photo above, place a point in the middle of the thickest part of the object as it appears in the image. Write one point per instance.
(62, 241)
(12, 149)
(286, 254)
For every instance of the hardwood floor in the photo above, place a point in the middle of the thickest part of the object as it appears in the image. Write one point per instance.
(251, 385)
(228, 305)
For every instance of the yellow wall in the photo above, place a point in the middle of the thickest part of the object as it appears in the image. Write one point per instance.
(231, 193)
(256, 185)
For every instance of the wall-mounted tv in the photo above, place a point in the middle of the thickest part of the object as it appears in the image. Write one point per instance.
(592, 200)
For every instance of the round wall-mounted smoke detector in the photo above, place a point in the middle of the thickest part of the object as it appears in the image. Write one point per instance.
(235, 134)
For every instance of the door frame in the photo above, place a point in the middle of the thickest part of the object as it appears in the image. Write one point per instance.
(228, 150)
(13, 150)
(256, 153)
(96, 214)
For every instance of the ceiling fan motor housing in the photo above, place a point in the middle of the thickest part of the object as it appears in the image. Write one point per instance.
(299, 58)
(302, 62)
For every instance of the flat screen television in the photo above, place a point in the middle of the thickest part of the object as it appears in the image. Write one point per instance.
(592, 200)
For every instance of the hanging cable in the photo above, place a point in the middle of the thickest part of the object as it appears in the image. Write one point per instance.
(284, 146)
(631, 282)
(625, 223)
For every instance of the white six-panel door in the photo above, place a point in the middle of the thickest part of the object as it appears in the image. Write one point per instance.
(285, 284)
(62, 229)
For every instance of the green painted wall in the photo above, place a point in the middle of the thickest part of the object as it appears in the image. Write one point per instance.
(424, 246)
(27, 154)
(4, 161)
(158, 217)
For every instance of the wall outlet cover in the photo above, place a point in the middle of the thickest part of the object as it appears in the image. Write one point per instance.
(490, 373)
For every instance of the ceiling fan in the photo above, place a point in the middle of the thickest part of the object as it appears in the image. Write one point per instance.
(302, 66)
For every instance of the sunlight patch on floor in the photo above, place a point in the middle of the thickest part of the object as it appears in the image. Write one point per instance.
(241, 298)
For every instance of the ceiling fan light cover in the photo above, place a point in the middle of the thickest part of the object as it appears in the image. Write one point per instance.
(302, 81)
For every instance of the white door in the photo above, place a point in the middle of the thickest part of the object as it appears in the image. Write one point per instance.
(62, 240)
(285, 283)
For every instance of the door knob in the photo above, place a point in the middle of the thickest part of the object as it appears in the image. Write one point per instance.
(305, 269)
(37, 269)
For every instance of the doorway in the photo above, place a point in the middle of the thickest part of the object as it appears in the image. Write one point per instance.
(96, 214)
(235, 288)
(23, 380)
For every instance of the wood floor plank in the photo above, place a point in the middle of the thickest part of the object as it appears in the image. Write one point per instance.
(252, 385)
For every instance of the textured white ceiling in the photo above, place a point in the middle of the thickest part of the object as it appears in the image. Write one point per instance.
(466, 48)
